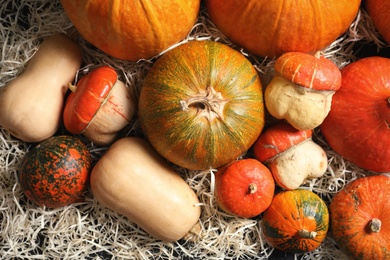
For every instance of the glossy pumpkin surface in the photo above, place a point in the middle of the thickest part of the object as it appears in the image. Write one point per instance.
(90, 93)
(244, 188)
(379, 12)
(55, 173)
(309, 71)
(297, 221)
(360, 217)
(358, 125)
(201, 105)
(270, 28)
(132, 30)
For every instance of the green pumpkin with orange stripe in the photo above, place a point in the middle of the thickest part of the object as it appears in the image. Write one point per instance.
(297, 221)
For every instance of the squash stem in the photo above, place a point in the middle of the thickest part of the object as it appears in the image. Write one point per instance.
(72, 87)
(375, 225)
(252, 188)
(303, 233)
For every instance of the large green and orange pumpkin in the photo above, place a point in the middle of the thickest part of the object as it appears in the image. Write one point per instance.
(360, 218)
(55, 173)
(132, 30)
(270, 28)
(201, 105)
(297, 221)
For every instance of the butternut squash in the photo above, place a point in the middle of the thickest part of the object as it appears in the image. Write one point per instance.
(31, 104)
(132, 179)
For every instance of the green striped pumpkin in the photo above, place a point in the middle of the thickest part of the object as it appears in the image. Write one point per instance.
(201, 105)
(297, 221)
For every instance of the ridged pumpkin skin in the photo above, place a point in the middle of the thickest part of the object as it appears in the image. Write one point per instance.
(201, 105)
(354, 210)
(132, 30)
(297, 221)
(55, 173)
(270, 28)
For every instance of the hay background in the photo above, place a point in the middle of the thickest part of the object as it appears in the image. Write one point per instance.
(89, 231)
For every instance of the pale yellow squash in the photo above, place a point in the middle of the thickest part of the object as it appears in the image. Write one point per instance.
(132, 179)
(31, 104)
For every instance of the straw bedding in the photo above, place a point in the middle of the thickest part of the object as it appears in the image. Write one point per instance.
(89, 231)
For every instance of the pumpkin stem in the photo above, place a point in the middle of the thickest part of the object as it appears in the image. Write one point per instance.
(209, 103)
(72, 87)
(303, 233)
(375, 225)
(318, 54)
(252, 188)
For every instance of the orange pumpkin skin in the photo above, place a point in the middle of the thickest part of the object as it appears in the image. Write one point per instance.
(358, 125)
(352, 212)
(55, 173)
(379, 11)
(270, 28)
(297, 221)
(201, 105)
(132, 30)
(244, 188)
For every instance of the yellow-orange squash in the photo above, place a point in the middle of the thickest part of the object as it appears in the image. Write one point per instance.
(132, 30)
(270, 28)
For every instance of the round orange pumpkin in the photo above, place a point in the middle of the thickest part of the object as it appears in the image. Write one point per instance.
(270, 28)
(132, 30)
(55, 173)
(244, 188)
(360, 218)
(297, 221)
(201, 105)
(358, 125)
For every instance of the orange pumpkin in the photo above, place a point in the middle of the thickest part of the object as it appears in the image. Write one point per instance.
(379, 11)
(297, 221)
(132, 30)
(357, 126)
(201, 105)
(244, 188)
(270, 28)
(360, 218)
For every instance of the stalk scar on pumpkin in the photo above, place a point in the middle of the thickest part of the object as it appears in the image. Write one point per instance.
(209, 103)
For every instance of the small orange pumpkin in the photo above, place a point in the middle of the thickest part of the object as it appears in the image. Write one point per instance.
(132, 30)
(270, 28)
(360, 218)
(244, 188)
(297, 221)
